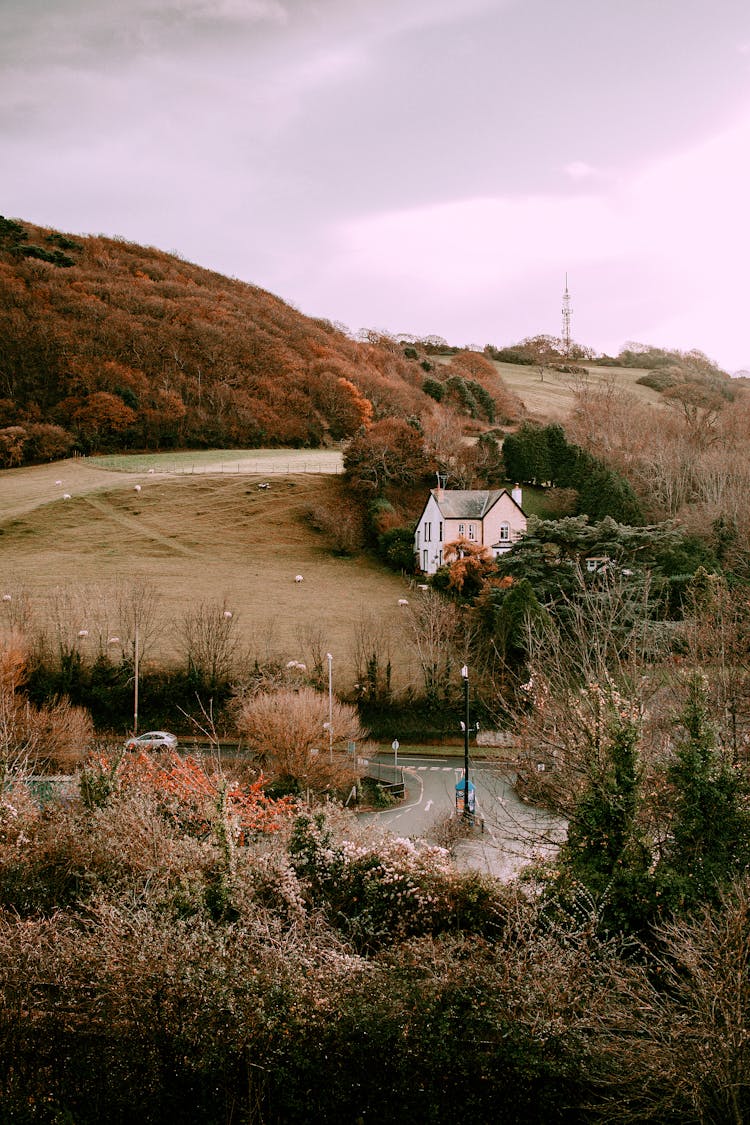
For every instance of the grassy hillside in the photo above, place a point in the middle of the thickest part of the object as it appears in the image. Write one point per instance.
(551, 400)
(213, 537)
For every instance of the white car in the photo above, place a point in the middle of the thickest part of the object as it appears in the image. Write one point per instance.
(152, 740)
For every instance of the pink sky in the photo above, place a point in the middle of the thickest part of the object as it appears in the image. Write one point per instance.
(416, 166)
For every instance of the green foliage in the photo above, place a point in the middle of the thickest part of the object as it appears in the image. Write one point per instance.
(11, 233)
(434, 388)
(396, 548)
(56, 257)
(605, 850)
(657, 380)
(502, 613)
(379, 895)
(553, 553)
(709, 843)
(542, 455)
(514, 354)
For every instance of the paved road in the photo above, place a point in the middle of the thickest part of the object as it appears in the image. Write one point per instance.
(513, 832)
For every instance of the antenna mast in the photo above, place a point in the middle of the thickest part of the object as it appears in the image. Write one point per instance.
(566, 311)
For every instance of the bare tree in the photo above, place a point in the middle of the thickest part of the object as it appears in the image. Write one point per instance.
(313, 644)
(437, 634)
(587, 667)
(208, 638)
(285, 731)
(371, 656)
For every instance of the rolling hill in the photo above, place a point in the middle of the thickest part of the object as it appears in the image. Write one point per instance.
(210, 537)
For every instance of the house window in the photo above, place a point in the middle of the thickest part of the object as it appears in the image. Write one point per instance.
(427, 532)
(440, 558)
(460, 529)
(472, 531)
(504, 532)
(440, 533)
(425, 561)
(417, 539)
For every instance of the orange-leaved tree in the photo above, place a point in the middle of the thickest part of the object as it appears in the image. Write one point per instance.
(469, 566)
(195, 796)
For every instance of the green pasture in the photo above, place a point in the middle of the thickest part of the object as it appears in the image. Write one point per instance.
(223, 461)
(213, 538)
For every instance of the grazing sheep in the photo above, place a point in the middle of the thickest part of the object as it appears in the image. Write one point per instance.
(403, 601)
(66, 496)
(7, 598)
(137, 488)
(58, 482)
(298, 578)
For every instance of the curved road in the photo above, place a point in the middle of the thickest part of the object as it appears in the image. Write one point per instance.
(508, 833)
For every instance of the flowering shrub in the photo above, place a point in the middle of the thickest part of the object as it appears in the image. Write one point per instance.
(192, 795)
(381, 891)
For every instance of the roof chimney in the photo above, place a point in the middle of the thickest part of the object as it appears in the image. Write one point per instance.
(517, 495)
(441, 479)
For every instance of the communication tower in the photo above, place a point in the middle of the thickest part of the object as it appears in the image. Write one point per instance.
(566, 311)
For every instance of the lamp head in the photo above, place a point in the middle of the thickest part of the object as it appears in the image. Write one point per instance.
(465, 672)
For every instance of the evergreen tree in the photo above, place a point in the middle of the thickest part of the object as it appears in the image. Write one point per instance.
(708, 845)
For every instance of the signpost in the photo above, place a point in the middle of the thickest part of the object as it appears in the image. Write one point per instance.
(394, 747)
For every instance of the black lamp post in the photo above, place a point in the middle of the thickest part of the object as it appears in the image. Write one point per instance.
(465, 725)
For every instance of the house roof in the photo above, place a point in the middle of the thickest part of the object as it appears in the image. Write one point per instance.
(472, 504)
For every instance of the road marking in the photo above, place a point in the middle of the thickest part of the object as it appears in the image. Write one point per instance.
(428, 806)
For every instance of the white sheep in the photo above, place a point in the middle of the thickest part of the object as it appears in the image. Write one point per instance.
(7, 597)
(298, 578)
(403, 601)
(66, 496)
(58, 482)
(422, 586)
(137, 488)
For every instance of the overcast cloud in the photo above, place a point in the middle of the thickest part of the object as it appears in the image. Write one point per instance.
(417, 166)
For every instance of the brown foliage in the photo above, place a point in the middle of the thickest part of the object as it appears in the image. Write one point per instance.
(285, 731)
(132, 344)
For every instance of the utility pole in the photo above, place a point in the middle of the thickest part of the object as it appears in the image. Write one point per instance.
(566, 312)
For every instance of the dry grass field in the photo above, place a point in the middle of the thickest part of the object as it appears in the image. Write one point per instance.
(552, 399)
(193, 537)
(195, 527)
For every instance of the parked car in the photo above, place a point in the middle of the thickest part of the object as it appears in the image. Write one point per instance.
(152, 740)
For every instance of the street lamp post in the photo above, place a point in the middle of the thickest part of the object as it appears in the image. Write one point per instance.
(465, 725)
(329, 658)
(464, 676)
(136, 677)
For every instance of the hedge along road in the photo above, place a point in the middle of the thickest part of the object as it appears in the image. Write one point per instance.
(513, 834)
(29, 487)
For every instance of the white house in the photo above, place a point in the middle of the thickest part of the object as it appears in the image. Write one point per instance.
(492, 518)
